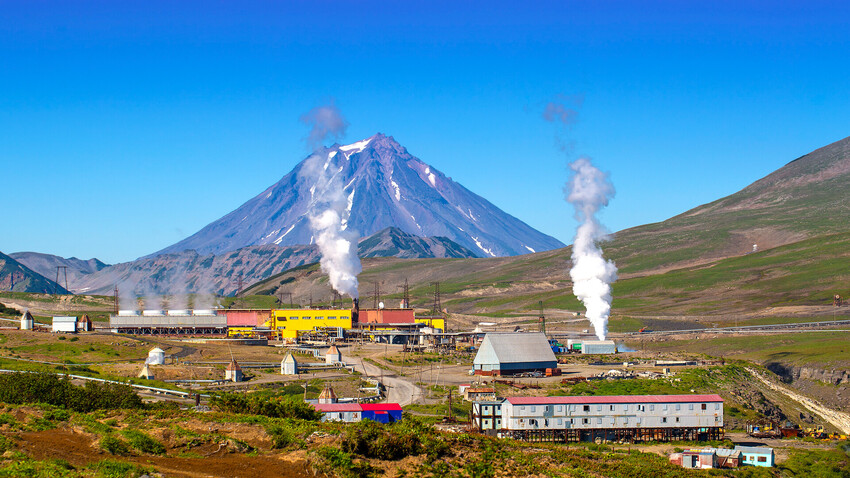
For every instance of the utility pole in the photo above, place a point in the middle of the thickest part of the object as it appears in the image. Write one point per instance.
(542, 319)
(115, 300)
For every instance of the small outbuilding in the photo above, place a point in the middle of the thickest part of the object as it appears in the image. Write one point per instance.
(472, 394)
(26, 321)
(327, 395)
(233, 373)
(382, 412)
(598, 347)
(513, 353)
(333, 355)
(65, 324)
(339, 412)
(289, 366)
(146, 372)
(756, 455)
(85, 324)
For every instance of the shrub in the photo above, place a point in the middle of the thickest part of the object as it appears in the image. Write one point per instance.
(23, 388)
(372, 440)
(144, 442)
(281, 436)
(342, 464)
(264, 403)
(117, 469)
(114, 445)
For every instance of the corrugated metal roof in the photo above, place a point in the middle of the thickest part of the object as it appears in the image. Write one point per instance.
(604, 399)
(514, 348)
(376, 407)
(337, 407)
(754, 449)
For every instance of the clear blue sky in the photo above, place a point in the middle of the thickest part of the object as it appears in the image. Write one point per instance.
(125, 127)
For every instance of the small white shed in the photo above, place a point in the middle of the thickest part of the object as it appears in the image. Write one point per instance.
(333, 355)
(289, 366)
(65, 324)
(26, 321)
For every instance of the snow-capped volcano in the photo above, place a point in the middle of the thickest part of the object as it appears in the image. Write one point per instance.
(385, 186)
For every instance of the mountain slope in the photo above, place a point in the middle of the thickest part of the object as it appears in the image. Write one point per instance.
(393, 242)
(188, 271)
(17, 277)
(45, 264)
(385, 187)
(697, 263)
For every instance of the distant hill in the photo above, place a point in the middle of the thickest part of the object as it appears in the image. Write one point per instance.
(385, 186)
(698, 263)
(17, 277)
(393, 242)
(46, 264)
(189, 271)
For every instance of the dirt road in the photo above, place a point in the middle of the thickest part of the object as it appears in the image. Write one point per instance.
(839, 420)
(399, 390)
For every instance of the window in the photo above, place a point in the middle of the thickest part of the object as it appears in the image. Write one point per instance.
(690, 406)
(652, 407)
(762, 459)
(599, 421)
(546, 409)
(663, 419)
(677, 419)
(703, 407)
(560, 408)
(320, 318)
(612, 408)
(717, 406)
(678, 406)
(664, 407)
(533, 409)
(587, 408)
(585, 421)
(572, 408)
(331, 318)
(599, 408)
(293, 318)
(340, 416)
(625, 419)
(560, 422)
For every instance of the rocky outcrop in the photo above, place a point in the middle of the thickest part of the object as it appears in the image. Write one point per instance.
(790, 374)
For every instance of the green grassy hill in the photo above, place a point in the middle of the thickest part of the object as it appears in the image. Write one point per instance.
(697, 263)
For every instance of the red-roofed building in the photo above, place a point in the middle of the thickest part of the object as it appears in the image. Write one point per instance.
(382, 412)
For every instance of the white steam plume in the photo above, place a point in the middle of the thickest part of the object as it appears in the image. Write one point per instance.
(589, 190)
(328, 215)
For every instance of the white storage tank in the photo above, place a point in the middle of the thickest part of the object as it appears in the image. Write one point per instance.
(203, 312)
(179, 312)
(156, 357)
(128, 313)
(598, 347)
(153, 313)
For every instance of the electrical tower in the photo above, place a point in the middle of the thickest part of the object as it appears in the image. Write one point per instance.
(377, 296)
(65, 270)
(405, 290)
(280, 295)
(438, 308)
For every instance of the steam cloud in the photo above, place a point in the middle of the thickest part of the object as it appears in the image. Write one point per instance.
(328, 215)
(589, 190)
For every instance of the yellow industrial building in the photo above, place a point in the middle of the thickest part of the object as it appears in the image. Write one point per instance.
(289, 323)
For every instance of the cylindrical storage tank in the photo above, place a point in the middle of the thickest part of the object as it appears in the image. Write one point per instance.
(203, 312)
(178, 312)
(128, 313)
(156, 357)
(26, 321)
(153, 313)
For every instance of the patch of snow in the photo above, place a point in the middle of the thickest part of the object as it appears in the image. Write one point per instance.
(332, 154)
(269, 195)
(349, 183)
(358, 146)
(344, 221)
(397, 190)
(246, 217)
(312, 191)
(271, 234)
(530, 249)
(431, 177)
(478, 243)
(461, 229)
(277, 241)
(414, 222)
(471, 215)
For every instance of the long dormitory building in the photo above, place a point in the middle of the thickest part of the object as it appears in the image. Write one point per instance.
(617, 417)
